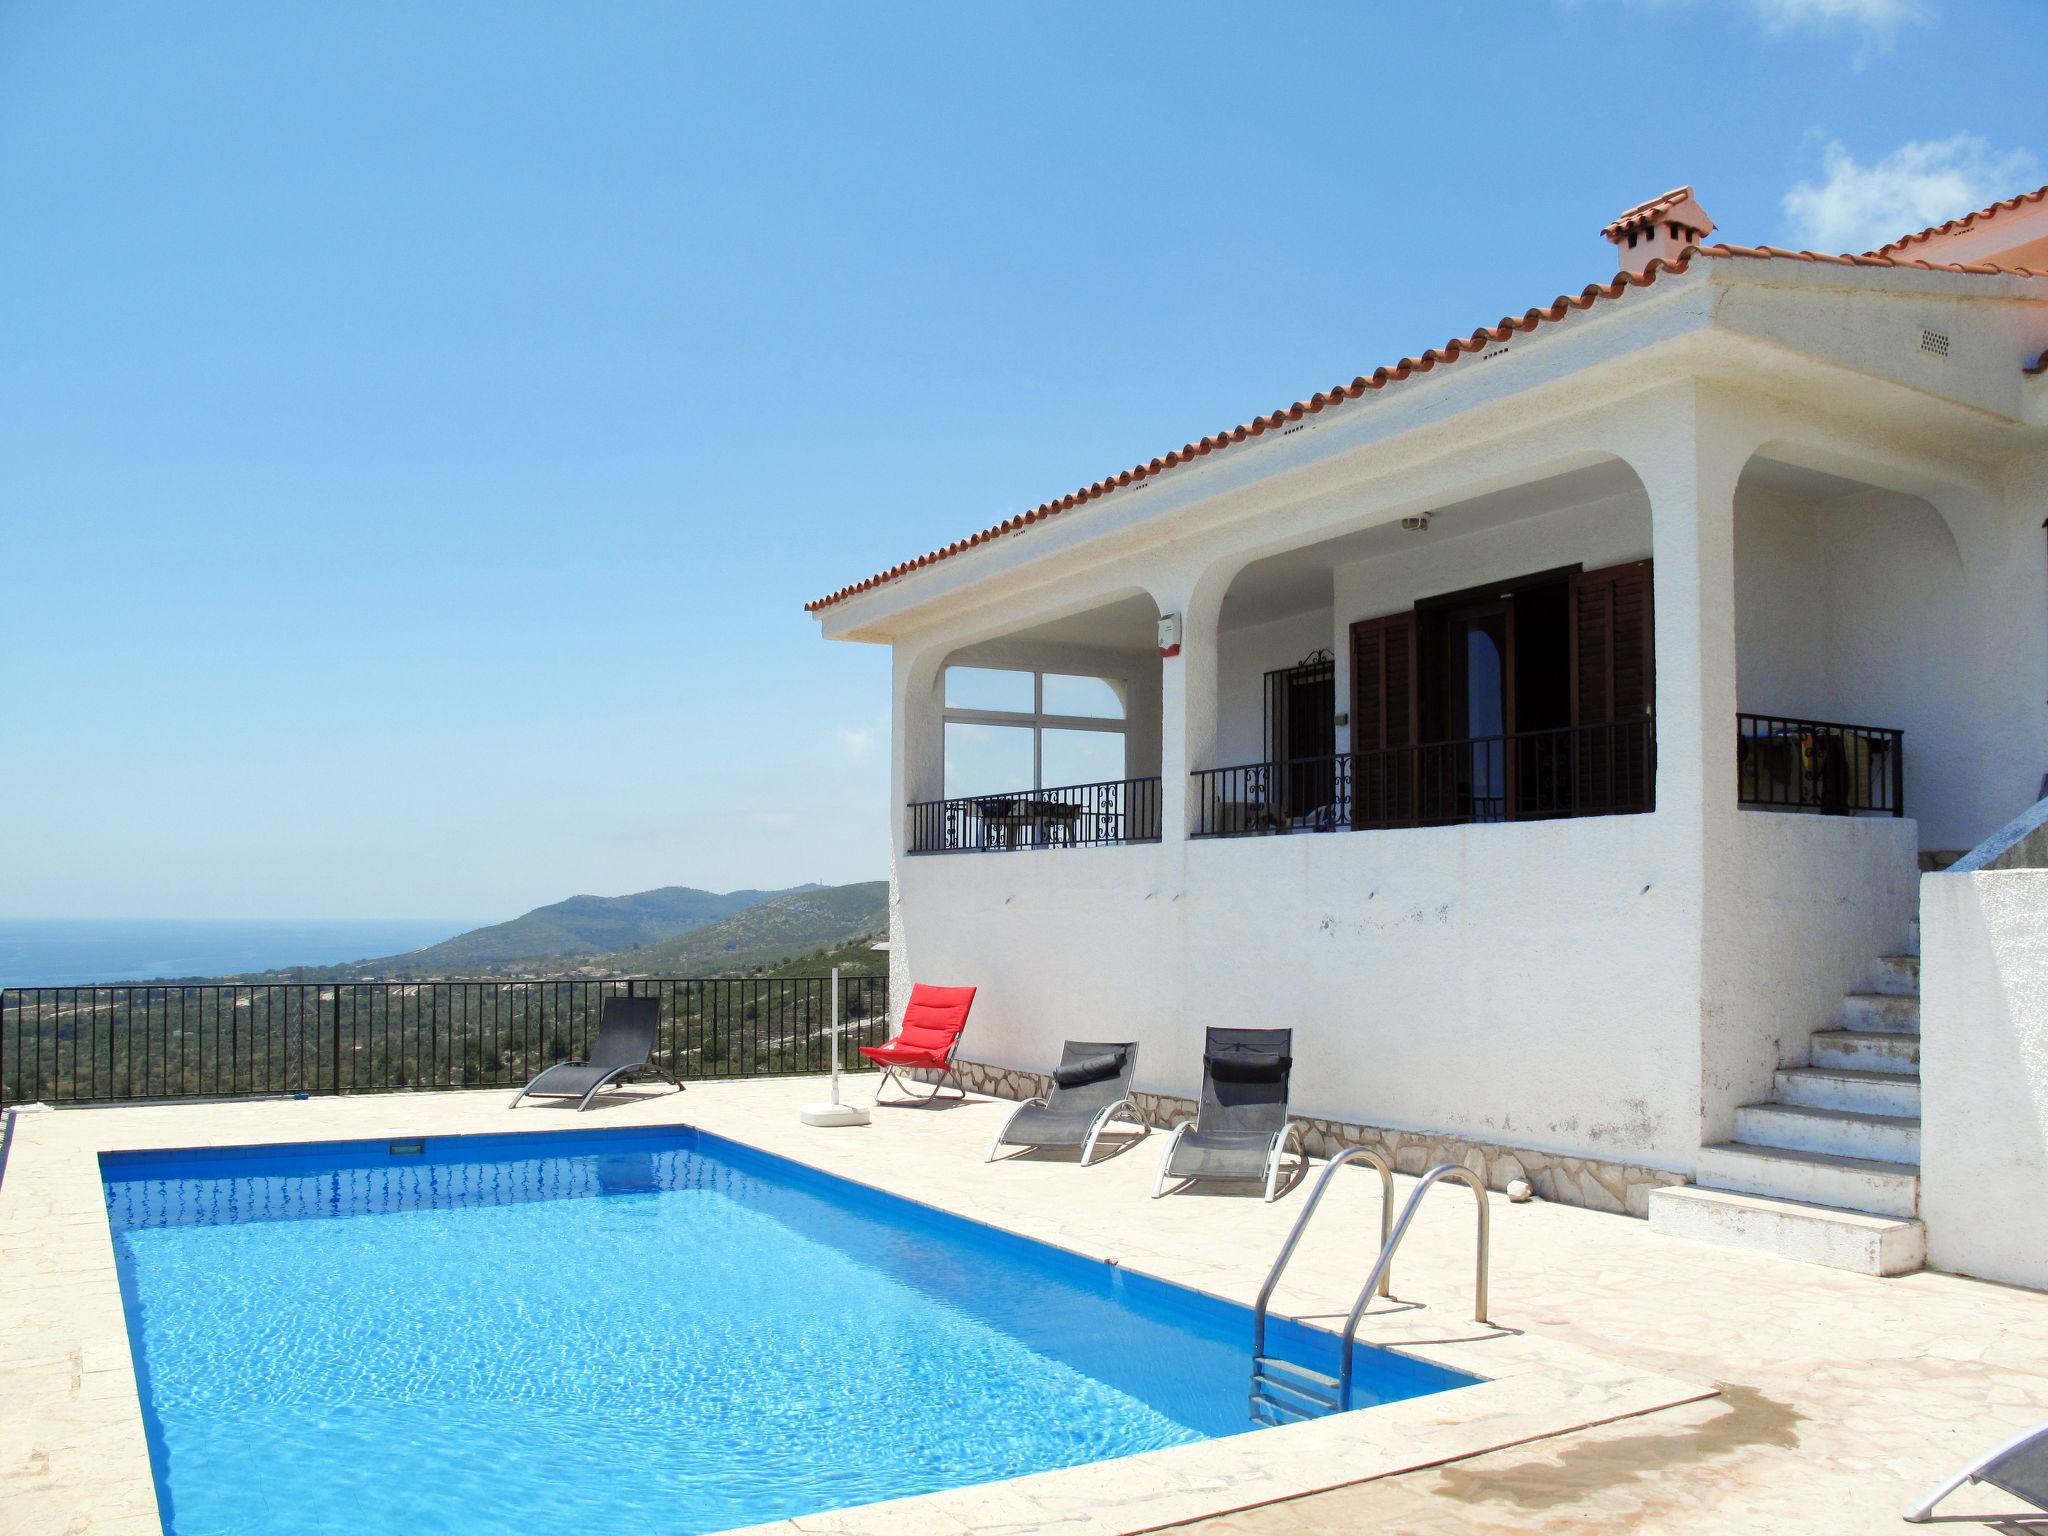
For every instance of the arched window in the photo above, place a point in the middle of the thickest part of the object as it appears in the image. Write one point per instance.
(1018, 730)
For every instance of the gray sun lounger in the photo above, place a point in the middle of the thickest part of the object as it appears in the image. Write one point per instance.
(1242, 1129)
(625, 1043)
(2018, 1467)
(1090, 1087)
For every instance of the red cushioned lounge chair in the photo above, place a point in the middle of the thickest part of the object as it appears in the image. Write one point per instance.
(932, 1022)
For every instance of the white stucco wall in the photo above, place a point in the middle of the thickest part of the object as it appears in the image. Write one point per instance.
(1800, 910)
(1510, 983)
(1984, 1073)
(1781, 614)
(1875, 608)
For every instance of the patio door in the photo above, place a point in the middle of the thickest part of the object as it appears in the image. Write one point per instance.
(1471, 781)
(1301, 736)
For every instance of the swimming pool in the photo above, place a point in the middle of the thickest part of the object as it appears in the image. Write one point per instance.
(641, 1330)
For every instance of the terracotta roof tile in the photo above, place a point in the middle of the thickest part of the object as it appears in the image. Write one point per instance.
(1956, 226)
(1380, 378)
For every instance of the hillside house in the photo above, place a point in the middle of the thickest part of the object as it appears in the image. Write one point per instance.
(1551, 728)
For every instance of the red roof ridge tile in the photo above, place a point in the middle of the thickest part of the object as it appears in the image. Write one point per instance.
(1956, 226)
(1648, 212)
(1380, 378)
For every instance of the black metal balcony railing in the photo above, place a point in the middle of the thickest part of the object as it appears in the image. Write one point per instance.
(1819, 765)
(1605, 769)
(1071, 816)
(82, 1045)
(1583, 770)
(1301, 795)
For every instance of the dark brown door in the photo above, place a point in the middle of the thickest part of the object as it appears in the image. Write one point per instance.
(1383, 721)
(1470, 778)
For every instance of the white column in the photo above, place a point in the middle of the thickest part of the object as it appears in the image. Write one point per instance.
(917, 771)
(1691, 458)
(1187, 694)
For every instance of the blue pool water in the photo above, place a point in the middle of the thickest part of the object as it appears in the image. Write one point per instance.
(627, 1331)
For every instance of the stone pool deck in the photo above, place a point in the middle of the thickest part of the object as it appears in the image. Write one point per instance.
(1637, 1382)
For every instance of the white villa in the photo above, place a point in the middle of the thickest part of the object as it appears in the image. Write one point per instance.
(1556, 731)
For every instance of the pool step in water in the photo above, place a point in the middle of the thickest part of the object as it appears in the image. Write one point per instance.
(1304, 1393)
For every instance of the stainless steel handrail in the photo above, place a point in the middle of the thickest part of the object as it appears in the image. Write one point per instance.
(1459, 1174)
(1383, 1273)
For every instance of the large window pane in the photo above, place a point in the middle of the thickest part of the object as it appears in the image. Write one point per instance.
(986, 759)
(988, 688)
(1082, 757)
(1090, 698)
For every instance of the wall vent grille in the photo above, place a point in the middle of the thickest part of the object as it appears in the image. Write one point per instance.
(1934, 343)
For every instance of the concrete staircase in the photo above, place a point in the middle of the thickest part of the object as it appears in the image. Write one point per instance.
(1827, 1170)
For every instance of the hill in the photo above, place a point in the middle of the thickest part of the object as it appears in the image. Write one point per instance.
(581, 926)
(783, 928)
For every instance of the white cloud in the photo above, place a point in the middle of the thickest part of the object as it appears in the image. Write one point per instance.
(1858, 207)
(1878, 20)
(857, 741)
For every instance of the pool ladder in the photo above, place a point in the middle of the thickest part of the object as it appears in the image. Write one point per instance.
(1304, 1393)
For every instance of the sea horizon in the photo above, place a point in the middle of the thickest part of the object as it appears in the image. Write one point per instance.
(79, 952)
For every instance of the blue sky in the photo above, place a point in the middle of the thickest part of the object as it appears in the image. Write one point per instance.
(420, 425)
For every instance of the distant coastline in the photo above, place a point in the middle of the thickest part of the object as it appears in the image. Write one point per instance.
(76, 952)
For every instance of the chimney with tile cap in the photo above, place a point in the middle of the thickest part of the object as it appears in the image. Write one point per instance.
(1662, 227)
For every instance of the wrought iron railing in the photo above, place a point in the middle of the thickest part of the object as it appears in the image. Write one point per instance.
(1071, 816)
(1310, 794)
(157, 1040)
(1604, 769)
(1819, 765)
(1582, 770)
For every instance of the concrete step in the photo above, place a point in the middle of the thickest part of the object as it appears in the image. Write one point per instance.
(1792, 1229)
(1887, 1138)
(1898, 976)
(1862, 1051)
(1881, 1013)
(1818, 1178)
(1856, 1089)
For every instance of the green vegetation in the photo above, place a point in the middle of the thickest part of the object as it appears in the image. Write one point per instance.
(856, 957)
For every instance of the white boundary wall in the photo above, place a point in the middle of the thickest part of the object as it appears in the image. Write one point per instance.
(1984, 1059)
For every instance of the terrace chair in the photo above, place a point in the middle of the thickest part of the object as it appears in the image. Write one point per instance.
(624, 1044)
(2018, 1467)
(1090, 1087)
(1242, 1130)
(932, 1023)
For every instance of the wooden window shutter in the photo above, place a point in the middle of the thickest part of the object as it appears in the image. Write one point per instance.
(1614, 694)
(1383, 683)
(1383, 718)
(1615, 644)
